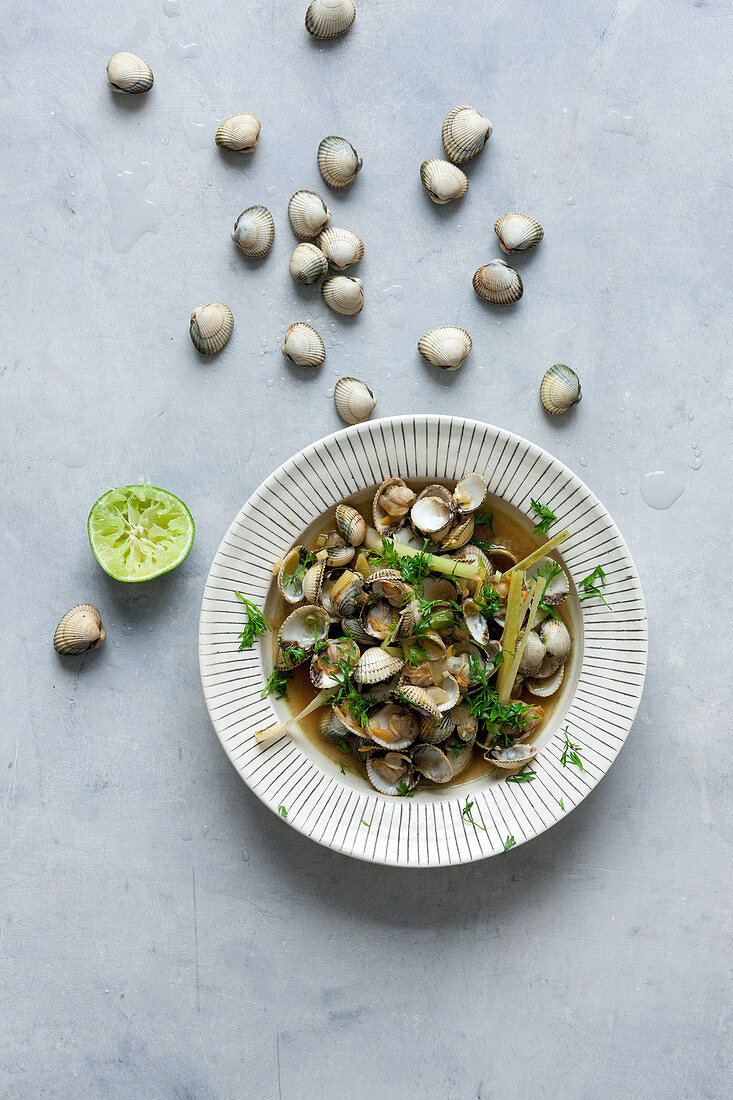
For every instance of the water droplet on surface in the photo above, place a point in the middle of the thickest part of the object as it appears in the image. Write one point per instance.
(198, 135)
(133, 214)
(696, 463)
(570, 200)
(660, 489)
(583, 462)
(623, 492)
(617, 122)
(171, 8)
(184, 51)
(535, 173)
(75, 456)
(245, 855)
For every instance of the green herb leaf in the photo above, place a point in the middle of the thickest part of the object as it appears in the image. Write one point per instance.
(591, 588)
(365, 823)
(255, 626)
(343, 769)
(404, 790)
(413, 568)
(525, 776)
(483, 703)
(570, 752)
(348, 696)
(509, 843)
(484, 519)
(561, 804)
(466, 811)
(277, 683)
(545, 517)
(282, 811)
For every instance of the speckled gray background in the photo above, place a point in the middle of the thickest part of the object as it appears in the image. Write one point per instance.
(162, 935)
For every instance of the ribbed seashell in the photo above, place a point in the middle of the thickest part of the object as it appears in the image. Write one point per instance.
(446, 694)
(431, 516)
(438, 491)
(341, 246)
(433, 763)
(548, 685)
(327, 665)
(126, 72)
(390, 774)
(353, 399)
(346, 593)
(434, 732)
(556, 636)
(303, 345)
(498, 283)
(350, 524)
(393, 727)
(338, 162)
(313, 582)
(420, 699)
(308, 214)
(559, 389)
(557, 589)
(476, 624)
(339, 553)
(239, 133)
(510, 757)
(379, 619)
(387, 584)
(465, 132)
(469, 493)
(459, 535)
(353, 629)
(211, 326)
(460, 755)
(289, 577)
(533, 656)
(518, 232)
(329, 18)
(254, 231)
(79, 631)
(376, 665)
(307, 263)
(445, 347)
(332, 728)
(408, 621)
(443, 181)
(344, 295)
(301, 627)
(392, 501)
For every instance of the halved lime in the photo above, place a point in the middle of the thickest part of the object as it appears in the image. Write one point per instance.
(137, 532)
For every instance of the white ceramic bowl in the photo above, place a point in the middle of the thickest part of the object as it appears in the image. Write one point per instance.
(343, 812)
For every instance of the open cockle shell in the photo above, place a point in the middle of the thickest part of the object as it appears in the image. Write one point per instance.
(465, 132)
(560, 389)
(254, 231)
(376, 665)
(498, 283)
(303, 346)
(445, 347)
(308, 214)
(548, 685)
(431, 516)
(419, 699)
(459, 535)
(79, 631)
(390, 774)
(392, 501)
(393, 727)
(307, 264)
(210, 328)
(344, 295)
(126, 72)
(469, 493)
(313, 582)
(239, 133)
(353, 399)
(511, 757)
(329, 18)
(290, 575)
(341, 247)
(558, 643)
(443, 181)
(518, 232)
(302, 627)
(433, 763)
(338, 162)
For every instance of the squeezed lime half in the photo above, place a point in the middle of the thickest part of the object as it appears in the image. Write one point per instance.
(137, 532)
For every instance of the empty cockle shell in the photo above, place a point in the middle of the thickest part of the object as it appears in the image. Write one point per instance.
(443, 181)
(211, 327)
(469, 493)
(308, 214)
(445, 347)
(546, 686)
(329, 18)
(433, 763)
(239, 133)
(498, 283)
(465, 132)
(432, 517)
(254, 231)
(509, 757)
(518, 232)
(350, 523)
(79, 631)
(376, 665)
(353, 399)
(559, 389)
(126, 72)
(307, 263)
(290, 575)
(344, 294)
(341, 247)
(303, 345)
(338, 162)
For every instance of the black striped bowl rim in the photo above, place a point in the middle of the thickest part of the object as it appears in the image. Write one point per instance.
(342, 812)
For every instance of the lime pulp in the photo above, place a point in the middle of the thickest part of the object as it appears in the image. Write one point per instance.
(138, 532)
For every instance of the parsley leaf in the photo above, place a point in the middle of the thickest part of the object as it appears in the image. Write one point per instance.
(404, 790)
(509, 843)
(277, 683)
(255, 626)
(466, 811)
(570, 752)
(413, 568)
(545, 517)
(282, 811)
(524, 776)
(590, 588)
(485, 519)
(561, 804)
(348, 696)
(365, 823)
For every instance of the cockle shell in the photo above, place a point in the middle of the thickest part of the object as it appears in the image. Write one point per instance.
(510, 757)
(445, 347)
(353, 399)
(375, 665)
(498, 283)
(518, 232)
(556, 636)
(432, 762)
(344, 294)
(126, 72)
(329, 18)
(469, 493)
(443, 181)
(459, 535)
(308, 214)
(341, 247)
(338, 162)
(79, 631)
(418, 698)
(313, 582)
(289, 578)
(431, 516)
(533, 655)
(239, 133)
(559, 389)
(546, 686)
(390, 774)
(307, 263)
(465, 132)
(303, 345)
(211, 327)
(350, 524)
(302, 626)
(254, 231)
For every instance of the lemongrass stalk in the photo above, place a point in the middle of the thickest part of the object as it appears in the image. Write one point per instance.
(505, 690)
(512, 619)
(268, 734)
(541, 552)
(436, 563)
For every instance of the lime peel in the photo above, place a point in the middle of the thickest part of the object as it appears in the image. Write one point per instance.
(138, 532)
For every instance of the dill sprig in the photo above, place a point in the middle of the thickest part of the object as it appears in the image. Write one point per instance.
(525, 776)
(571, 752)
(255, 626)
(348, 696)
(412, 568)
(277, 683)
(484, 519)
(404, 790)
(483, 703)
(508, 843)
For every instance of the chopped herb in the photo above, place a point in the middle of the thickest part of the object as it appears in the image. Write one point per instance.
(404, 790)
(365, 823)
(487, 547)
(485, 519)
(348, 696)
(402, 698)
(590, 588)
(525, 776)
(488, 600)
(413, 568)
(255, 626)
(277, 683)
(483, 703)
(343, 746)
(570, 753)
(416, 655)
(545, 517)
(466, 811)
(456, 749)
(561, 804)
(343, 769)
(282, 811)
(509, 843)
(551, 570)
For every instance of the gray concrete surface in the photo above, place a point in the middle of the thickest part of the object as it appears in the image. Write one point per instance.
(162, 935)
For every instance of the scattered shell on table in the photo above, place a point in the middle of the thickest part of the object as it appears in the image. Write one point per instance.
(344, 294)
(342, 247)
(307, 263)
(303, 345)
(239, 133)
(254, 231)
(211, 327)
(559, 389)
(445, 347)
(498, 283)
(518, 232)
(353, 399)
(465, 132)
(338, 161)
(329, 18)
(308, 214)
(443, 181)
(79, 631)
(126, 72)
